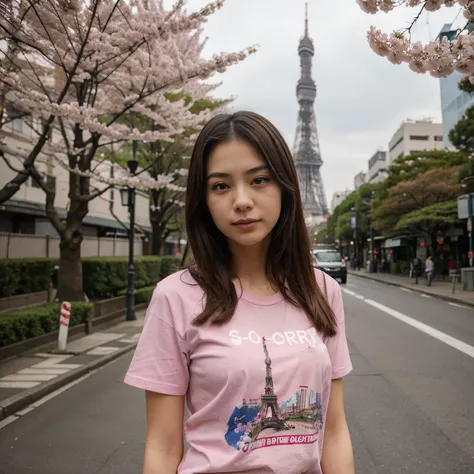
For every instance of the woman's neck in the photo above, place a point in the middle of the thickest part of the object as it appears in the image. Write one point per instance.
(249, 265)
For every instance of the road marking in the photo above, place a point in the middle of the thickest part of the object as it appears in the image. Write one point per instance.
(360, 297)
(46, 398)
(27, 378)
(131, 339)
(425, 296)
(32, 371)
(440, 336)
(407, 290)
(349, 292)
(99, 351)
(18, 385)
(459, 306)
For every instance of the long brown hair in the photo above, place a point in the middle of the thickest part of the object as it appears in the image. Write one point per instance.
(288, 258)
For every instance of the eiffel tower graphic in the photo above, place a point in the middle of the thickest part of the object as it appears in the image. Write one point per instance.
(269, 401)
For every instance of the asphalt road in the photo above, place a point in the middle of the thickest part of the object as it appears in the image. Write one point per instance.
(409, 399)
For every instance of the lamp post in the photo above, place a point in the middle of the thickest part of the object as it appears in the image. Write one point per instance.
(128, 200)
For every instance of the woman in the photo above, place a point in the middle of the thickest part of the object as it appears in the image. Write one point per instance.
(250, 334)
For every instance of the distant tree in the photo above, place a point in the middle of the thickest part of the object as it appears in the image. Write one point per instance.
(462, 134)
(424, 205)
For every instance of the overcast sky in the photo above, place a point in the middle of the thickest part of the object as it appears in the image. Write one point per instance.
(361, 99)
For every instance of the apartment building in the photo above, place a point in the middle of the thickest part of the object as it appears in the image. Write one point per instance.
(415, 135)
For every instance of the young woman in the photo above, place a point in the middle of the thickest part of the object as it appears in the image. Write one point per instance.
(250, 334)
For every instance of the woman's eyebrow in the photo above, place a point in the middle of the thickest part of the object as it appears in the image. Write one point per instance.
(218, 174)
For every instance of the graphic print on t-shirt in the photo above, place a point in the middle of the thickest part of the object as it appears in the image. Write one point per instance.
(264, 422)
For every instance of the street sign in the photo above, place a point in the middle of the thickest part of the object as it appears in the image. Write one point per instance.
(64, 325)
(353, 222)
(469, 254)
(463, 206)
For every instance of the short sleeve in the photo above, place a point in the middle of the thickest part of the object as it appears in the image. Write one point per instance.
(160, 362)
(337, 345)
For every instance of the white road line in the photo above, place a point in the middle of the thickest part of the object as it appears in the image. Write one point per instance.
(45, 399)
(440, 336)
(18, 385)
(102, 351)
(52, 356)
(407, 290)
(459, 305)
(349, 292)
(425, 296)
(360, 297)
(7, 421)
(27, 378)
(32, 371)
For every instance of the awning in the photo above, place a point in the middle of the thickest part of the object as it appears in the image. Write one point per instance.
(396, 242)
(110, 223)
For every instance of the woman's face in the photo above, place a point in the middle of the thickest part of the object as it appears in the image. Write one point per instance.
(240, 188)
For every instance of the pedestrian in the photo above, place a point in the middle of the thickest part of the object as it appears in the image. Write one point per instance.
(250, 328)
(429, 270)
(416, 269)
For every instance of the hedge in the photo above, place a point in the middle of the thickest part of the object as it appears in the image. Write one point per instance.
(104, 277)
(24, 324)
(20, 276)
(143, 295)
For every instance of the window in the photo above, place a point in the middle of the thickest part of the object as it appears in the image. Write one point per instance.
(17, 124)
(51, 183)
(438, 138)
(419, 137)
(395, 144)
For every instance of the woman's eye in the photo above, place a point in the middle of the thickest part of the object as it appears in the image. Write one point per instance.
(261, 180)
(219, 187)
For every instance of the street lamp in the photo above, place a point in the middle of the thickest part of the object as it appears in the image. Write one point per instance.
(128, 200)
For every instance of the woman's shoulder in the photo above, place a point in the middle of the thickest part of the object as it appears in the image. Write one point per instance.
(177, 284)
(176, 299)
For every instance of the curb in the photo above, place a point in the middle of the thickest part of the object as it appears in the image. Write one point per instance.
(9, 406)
(417, 290)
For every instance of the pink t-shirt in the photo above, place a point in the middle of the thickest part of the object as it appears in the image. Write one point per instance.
(257, 388)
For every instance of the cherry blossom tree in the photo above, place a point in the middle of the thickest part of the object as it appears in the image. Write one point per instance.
(438, 58)
(82, 67)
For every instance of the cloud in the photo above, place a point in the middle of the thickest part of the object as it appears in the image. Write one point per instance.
(362, 98)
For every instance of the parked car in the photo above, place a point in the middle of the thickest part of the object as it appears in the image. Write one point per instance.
(331, 262)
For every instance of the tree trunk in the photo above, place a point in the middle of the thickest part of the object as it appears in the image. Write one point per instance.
(70, 269)
(156, 239)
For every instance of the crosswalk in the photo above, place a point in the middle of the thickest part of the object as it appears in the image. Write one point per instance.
(38, 373)
(55, 365)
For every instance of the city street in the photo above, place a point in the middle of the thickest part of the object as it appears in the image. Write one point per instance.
(409, 398)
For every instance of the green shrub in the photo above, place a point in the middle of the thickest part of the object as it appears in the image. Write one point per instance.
(24, 324)
(20, 276)
(144, 295)
(107, 277)
(104, 277)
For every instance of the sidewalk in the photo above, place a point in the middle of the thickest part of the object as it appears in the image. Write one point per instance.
(438, 289)
(31, 376)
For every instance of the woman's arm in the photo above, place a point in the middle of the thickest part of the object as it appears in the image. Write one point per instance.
(337, 455)
(164, 436)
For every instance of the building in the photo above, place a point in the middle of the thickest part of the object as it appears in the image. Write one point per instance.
(377, 167)
(454, 102)
(360, 179)
(338, 197)
(415, 135)
(25, 212)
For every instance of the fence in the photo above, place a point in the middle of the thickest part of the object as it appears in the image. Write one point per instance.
(40, 246)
